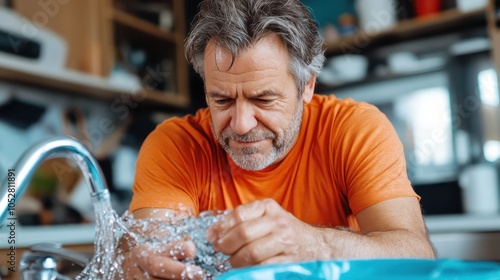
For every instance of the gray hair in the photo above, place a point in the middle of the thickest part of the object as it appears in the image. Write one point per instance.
(236, 25)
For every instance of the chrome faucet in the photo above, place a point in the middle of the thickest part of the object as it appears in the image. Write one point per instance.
(59, 147)
(41, 261)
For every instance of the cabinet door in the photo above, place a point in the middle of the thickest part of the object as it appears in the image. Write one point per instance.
(82, 23)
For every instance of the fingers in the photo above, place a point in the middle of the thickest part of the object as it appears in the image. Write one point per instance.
(257, 252)
(167, 268)
(242, 213)
(134, 273)
(255, 233)
(278, 259)
(247, 212)
(179, 250)
(130, 270)
(232, 240)
(159, 267)
(161, 262)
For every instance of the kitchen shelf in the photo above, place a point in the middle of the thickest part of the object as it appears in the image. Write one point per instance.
(416, 28)
(133, 22)
(372, 79)
(82, 84)
(463, 223)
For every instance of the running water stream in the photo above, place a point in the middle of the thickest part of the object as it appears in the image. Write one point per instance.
(110, 228)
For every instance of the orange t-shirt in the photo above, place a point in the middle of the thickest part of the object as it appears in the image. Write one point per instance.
(347, 158)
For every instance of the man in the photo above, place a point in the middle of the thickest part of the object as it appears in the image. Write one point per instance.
(308, 176)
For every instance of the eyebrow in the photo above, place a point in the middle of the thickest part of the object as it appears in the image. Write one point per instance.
(215, 94)
(265, 93)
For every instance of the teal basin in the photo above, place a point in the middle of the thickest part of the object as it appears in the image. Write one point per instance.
(411, 269)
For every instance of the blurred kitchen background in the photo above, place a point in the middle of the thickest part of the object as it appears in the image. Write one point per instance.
(108, 71)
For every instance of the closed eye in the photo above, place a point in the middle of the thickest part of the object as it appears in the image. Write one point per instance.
(267, 97)
(264, 101)
(219, 98)
(222, 101)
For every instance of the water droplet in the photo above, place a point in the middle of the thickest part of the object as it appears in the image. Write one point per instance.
(175, 227)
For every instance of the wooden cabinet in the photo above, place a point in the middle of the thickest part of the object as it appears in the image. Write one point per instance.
(81, 25)
(101, 36)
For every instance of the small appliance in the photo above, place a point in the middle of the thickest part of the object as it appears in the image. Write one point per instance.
(22, 41)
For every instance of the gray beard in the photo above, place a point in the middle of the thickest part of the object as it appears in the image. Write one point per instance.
(247, 158)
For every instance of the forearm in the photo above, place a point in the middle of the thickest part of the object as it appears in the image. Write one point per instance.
(340, 243)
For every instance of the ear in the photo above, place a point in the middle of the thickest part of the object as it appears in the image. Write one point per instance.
(206, 95)
(309, 89)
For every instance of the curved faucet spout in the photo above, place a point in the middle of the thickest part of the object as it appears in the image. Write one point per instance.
(59, 147)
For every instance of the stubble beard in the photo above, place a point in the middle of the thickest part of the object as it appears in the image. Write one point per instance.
(248, 158)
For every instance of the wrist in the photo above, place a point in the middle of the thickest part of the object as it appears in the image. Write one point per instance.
(317, 245)
(331, 243)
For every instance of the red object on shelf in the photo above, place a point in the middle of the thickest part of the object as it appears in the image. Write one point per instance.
(425, 8)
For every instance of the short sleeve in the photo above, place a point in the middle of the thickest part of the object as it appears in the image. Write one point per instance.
(374, 167)
(164, 171)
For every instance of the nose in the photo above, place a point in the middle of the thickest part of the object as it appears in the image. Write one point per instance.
(243, 118)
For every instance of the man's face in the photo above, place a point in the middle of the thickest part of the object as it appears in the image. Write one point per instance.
(256, 113)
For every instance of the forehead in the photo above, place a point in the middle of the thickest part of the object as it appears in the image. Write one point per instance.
(267, 53)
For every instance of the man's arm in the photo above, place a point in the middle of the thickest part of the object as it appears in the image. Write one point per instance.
(262, 232)
(390, 229)
(155, 213)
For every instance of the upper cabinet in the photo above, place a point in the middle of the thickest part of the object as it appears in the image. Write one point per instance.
(114, 47)
(369, 47)
(444, 22)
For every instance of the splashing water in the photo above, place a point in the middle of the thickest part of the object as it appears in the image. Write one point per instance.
(110, 228)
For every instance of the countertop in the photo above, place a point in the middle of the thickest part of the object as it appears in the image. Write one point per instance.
(84, 234)
(25, 236)
(462, 223)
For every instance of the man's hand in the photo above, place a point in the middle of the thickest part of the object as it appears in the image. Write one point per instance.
(261, 232)
(158, 261)
(161, 261)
